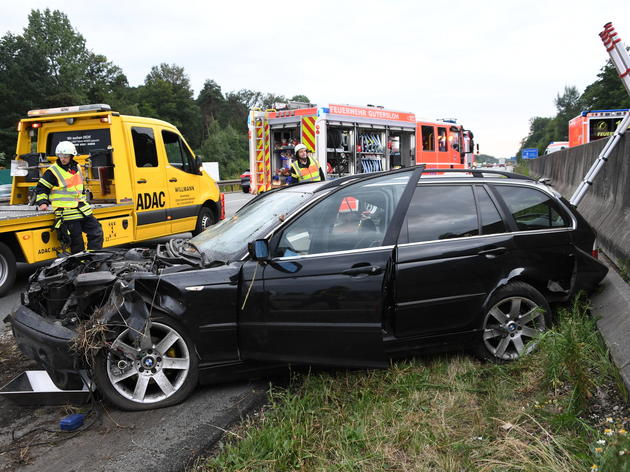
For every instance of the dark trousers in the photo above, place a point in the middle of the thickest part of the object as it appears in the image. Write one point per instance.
(91, 227)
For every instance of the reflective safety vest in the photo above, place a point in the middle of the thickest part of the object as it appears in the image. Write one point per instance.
(68, 194)
(307, 174)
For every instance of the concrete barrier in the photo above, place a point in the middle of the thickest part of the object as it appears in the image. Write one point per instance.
(606, 205)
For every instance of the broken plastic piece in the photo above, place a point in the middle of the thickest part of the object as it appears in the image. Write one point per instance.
(72, 422)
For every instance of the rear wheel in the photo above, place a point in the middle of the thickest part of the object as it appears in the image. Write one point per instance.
(8, 268)
(157, 370)
(518, 314)
(204, 220)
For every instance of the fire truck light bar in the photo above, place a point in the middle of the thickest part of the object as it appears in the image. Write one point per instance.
(73, 109)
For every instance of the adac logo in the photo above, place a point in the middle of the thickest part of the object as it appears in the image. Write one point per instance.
(146, 201)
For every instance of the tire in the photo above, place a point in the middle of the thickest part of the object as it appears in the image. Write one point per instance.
(8, 269)
(245, 188)
(135, 377)
(204, 220)
(517, 314)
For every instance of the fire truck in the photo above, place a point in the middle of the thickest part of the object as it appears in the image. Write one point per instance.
(592, 125)
(348, 140)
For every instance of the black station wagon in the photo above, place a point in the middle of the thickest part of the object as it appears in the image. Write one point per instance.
(351, 272)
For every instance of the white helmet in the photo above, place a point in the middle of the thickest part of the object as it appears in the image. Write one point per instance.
(298, 148)
(65, 148)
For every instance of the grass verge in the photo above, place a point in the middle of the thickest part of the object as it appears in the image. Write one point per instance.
(558, 409)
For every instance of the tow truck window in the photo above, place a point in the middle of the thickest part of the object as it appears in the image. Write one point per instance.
(428, 139)
(177, 153)
(442, 139)
(144, 147)
(85, 140)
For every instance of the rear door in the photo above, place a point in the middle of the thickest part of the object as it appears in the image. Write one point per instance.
(453, 249)
(322, 297)
(149, 183)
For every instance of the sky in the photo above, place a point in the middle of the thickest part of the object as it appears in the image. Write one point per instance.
(492, 65)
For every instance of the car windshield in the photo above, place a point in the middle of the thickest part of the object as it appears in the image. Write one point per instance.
(228, 239)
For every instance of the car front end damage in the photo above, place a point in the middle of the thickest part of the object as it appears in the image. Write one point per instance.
(74, 308)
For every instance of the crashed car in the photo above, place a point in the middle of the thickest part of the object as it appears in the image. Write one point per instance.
(350, 272)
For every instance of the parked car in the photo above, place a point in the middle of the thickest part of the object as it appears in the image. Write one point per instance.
(348, 272)
(245, 181)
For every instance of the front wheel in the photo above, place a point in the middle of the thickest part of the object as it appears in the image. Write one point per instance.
(159, 369)
(204, 220)
(518, 314)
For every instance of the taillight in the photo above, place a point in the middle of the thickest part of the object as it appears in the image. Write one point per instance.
(595, 250)
(222, 200)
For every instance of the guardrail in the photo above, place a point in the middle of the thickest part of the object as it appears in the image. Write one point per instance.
(230, 185)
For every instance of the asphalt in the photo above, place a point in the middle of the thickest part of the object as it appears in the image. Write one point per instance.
(611, 307)
(165, 440)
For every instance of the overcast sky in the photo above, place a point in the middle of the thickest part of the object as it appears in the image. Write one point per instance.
(491, 64)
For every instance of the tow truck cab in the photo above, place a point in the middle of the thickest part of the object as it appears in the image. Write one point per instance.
(126, 160)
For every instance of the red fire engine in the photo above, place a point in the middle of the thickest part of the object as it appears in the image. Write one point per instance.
(347, 140)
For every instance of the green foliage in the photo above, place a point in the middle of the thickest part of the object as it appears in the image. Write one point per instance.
(574, 357)
(607, 92)
(228, 147)
(48, 65)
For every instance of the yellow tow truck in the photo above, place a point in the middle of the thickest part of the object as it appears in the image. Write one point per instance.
(143, 181)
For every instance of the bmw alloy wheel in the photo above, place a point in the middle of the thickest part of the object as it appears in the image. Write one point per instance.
(511, 325)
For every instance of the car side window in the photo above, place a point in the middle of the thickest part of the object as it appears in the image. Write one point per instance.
(355, 217)
(177, 153)
(144, 147)
(441, 212)
(532, 209)
(491, 222)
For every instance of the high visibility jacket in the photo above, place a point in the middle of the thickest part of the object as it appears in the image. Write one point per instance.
(307, 174)
(67, 196)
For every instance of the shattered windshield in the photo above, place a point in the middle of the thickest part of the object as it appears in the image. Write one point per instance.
(228, 239)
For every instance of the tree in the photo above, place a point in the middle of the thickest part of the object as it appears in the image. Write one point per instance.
(166, 94)
(607, 92)
(49, 65)
(228, 147)
(300, 98)
(211, 103)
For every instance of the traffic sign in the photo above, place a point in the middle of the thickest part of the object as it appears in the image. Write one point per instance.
(530, 153)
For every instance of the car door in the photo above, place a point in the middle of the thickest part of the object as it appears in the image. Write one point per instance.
(182, 178)
(453, 249)
(321, 298)
(542, 235)
(149, 183)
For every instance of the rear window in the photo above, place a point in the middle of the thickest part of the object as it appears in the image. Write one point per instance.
(532, 209)
(85, 140)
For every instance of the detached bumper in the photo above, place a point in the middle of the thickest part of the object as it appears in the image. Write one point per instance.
(48, 343)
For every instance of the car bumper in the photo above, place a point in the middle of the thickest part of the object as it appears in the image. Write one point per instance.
(48, 343)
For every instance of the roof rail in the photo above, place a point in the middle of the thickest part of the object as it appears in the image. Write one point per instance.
(480, 172)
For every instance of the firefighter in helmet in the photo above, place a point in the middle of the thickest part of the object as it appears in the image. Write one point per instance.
(61, 187)
(304, 167)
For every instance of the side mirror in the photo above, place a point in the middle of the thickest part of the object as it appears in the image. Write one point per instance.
(259, 250)
(199, 164)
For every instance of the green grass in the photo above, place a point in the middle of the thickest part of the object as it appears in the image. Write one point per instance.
(447, 413)
(521, 168)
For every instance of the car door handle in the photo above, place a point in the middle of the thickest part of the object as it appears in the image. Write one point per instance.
(493, 252)
(368, 270)
(142, 181)
(172, 180)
